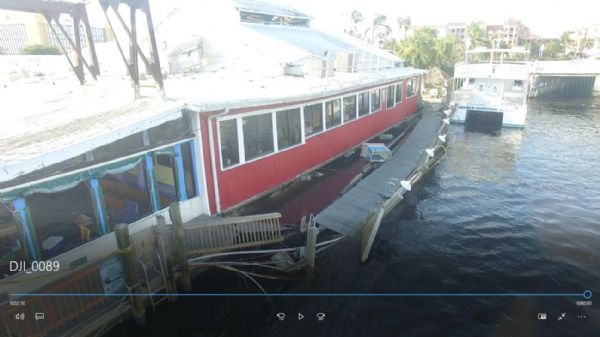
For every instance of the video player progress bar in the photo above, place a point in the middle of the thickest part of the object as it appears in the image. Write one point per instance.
(587, 294)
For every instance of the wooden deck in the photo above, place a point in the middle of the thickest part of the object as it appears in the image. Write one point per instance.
(350, 212)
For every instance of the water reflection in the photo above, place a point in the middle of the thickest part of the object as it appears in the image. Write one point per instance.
(493, 157)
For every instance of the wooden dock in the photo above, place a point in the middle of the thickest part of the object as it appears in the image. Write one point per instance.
(350, 213)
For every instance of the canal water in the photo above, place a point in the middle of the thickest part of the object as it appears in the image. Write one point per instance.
(514, 212)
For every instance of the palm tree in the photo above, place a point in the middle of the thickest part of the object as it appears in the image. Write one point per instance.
(404, 24)
(379, 28)
(357, 18)
(477, 36)
(567, 42)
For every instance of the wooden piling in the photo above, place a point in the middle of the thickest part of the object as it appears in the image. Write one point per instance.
(311, 248)
(131, 275)
(372, 227)
(162, 232)
(186, 276)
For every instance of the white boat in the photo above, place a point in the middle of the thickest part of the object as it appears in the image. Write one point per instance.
(490, 89)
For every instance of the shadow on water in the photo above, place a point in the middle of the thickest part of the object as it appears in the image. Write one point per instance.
(512, 212)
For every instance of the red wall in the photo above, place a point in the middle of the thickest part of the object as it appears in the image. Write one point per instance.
(241, 183)
(208, 171)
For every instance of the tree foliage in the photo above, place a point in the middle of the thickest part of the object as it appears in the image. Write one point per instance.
(404, 23)
(424, 49)
(449, 52)
(477, 36)
(379, 29)
(36, 49)
(357, 18)
(420, 50)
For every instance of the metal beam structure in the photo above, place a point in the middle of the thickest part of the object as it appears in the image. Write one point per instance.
(52, 10)
(152, 62)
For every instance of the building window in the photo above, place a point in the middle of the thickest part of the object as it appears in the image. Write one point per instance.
(63, 220)
(398, 92)
(375, 100)
(389, 96)
(415, 86)
(313, 119)
(411, 87)
(127, 194)
(363, 103)
(349, 108)
(230, 154)
(517, 85)
(166, 182)
(288, 128)
(333, 113)
(258, 135)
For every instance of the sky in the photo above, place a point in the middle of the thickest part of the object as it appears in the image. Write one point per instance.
(544, 18)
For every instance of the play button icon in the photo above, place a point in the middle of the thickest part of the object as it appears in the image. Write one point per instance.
(300, 316)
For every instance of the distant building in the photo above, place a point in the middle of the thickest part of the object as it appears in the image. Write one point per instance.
(495, 33)
(19, 30)
(457, 29)
(510, 34)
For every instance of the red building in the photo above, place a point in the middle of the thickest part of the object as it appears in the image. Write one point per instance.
(297, 99)
(249, 151)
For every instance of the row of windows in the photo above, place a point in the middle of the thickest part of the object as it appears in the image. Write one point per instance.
(258, 130)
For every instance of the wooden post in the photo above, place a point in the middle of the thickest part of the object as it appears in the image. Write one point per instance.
(131, 275)
(311, 245)
(162, 233)
(186, 278)
(370, 232)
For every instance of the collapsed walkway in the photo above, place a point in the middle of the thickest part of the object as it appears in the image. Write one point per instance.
(350, 213)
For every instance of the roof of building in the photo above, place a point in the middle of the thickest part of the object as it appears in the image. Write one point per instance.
(266, 7)
(53, 118)
(211, 92)
(51, 121)
(309, 40)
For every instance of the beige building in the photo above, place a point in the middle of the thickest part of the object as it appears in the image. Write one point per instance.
(457, 29)
(19, 30)
(511, 33)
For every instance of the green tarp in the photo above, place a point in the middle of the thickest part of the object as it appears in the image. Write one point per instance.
(53, 185)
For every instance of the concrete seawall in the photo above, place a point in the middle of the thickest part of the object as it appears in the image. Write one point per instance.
(543, 85)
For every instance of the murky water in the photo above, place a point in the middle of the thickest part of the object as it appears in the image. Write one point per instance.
(517, 212)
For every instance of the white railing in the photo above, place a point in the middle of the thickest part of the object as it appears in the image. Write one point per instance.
(232, 233)
(487, 70)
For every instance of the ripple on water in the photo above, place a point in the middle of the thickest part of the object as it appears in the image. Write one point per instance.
(518, 211)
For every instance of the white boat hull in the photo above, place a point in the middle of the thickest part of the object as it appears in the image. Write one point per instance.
(511, 116)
